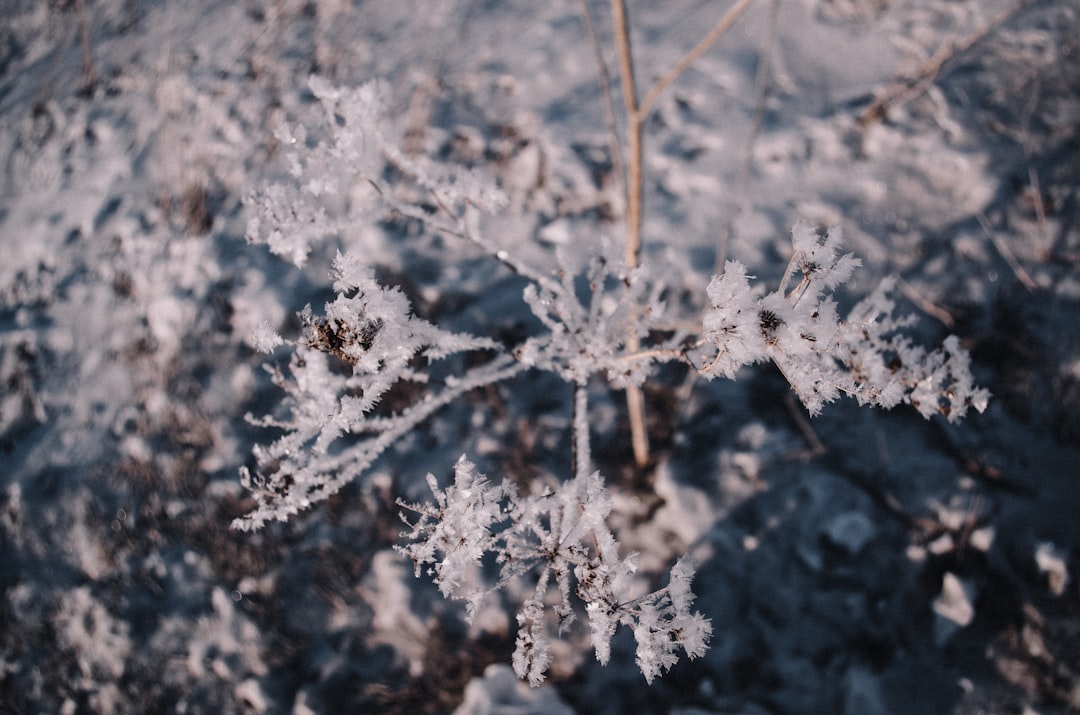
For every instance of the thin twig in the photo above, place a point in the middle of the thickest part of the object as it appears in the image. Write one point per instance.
(924, 304)
(635, 399)
(692, 56)
(638, 114)
(639, 434)
(418, 116)
(582, 451)
(654, 354)
(633, 133)
(905, 87)
(815, 447)
(1003, 248)
(636, 117)
(89, 73)
(872, 485)
(459, 227)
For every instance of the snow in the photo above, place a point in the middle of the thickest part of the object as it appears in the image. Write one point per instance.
(133, 312)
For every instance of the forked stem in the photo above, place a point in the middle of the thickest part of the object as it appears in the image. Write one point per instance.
(636, 115)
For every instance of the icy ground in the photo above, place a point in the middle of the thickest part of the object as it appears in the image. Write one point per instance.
(863, 562)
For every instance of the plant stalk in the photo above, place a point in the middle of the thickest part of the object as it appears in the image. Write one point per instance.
(636, 115)
(635, 399)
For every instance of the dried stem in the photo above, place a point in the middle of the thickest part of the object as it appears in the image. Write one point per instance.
(905, 87)
(89, 73)
(635, 399)
(633, 130)
(636, 115)
(1003, 248)
(722, 26)
(925, 304)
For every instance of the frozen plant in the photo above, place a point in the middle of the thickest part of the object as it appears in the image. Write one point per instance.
(823, 357)
(347, 359)
(597, 313)
(561, 537)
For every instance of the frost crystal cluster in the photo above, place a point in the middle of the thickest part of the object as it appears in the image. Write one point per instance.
(598, 321)
(561, 538)
(348, 358)
(822, 357)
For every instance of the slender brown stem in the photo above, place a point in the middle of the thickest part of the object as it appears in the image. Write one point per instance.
(635, 399)
(925, 304)
(722, 26)
(653, 354)
(636, 116)
(1003, 248)
(905, 87)
(582, 451)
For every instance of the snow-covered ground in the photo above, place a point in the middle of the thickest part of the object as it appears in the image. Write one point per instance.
(862, 562)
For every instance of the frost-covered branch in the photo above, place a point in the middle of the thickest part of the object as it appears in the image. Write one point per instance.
(562, 537)
(292, 218)
(366, 341)
(363, 345)
(797, 327)
(589, 326)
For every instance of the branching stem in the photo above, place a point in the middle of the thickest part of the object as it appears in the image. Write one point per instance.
(636, 115)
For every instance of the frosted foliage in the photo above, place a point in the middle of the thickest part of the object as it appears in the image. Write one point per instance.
(560, 538)
(322, 201)
(366, 341)
(341, 367)
(822, 357)
(665, 623)
(587, 334)
(733, 323)
(457, 530)
(599, 319)
(265, 339)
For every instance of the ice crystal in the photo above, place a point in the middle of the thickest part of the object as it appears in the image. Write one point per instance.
(561, 537)
(821, 356)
